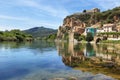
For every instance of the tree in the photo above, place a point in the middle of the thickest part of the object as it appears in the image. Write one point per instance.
(14, 35)
(84, 11)
(77, 36)
(89, 37)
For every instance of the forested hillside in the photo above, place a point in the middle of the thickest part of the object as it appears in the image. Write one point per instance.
(40, 32)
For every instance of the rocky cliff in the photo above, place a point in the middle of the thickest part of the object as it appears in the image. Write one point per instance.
(77, 22)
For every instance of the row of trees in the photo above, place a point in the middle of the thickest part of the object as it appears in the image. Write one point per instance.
(14, 35)
(109, 34)
(87, 38)
(49, 37)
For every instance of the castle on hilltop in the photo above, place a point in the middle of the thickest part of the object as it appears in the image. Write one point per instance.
(94, 10)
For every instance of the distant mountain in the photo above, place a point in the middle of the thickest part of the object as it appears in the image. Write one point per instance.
(40, 31)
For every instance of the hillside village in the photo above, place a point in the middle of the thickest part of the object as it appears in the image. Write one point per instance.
(91, 21)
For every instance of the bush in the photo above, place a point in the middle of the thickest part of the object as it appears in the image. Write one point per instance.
(89, 37)
(14, 35)
(77, 36)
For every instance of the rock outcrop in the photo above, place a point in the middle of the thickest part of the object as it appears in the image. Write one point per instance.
(70, 25)
(77, 22)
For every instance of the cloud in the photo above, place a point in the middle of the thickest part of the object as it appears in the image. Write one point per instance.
(6, 27)
(11, 22)
(49, 24)
(56, 11)
(107, 4)
(12, 18)
(49, 13)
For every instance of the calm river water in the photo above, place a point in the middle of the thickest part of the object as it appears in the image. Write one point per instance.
(42, 60)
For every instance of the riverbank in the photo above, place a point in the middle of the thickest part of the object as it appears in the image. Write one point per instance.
(110, 41)
(95, 65)
(15, 36)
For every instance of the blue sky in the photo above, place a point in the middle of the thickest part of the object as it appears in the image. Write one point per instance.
(25, 14)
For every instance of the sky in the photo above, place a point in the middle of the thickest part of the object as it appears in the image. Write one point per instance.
(25, 14)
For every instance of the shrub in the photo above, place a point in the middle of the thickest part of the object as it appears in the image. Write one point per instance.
(89, 37)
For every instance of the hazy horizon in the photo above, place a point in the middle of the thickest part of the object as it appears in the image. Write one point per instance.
(25, 14)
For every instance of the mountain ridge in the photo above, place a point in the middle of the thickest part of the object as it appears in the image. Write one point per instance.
(40, 31)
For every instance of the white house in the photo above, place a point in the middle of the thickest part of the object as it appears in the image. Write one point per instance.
(109, 28)
(100, 30)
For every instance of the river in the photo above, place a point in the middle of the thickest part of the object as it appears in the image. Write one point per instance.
(41, 60)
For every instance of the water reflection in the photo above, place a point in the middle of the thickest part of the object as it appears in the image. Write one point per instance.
(95, 58)
(40, 60)
(41, 46)
(20, 59)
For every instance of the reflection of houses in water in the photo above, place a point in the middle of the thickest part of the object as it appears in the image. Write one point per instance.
(109, 57)
(108, 53)
(104, 56)
(75, 54)
(91, 58)
(117, 60)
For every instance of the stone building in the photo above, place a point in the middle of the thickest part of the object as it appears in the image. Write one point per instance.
(94, 10)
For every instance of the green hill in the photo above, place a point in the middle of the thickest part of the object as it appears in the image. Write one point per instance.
(40, 32)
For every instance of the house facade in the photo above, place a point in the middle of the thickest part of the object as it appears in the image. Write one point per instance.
(107, 28)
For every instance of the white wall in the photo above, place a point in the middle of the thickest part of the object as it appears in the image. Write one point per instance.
(113, 38)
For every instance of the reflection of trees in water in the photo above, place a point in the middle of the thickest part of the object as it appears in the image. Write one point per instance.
(41, 45)
(89, 50)
(71, 54)
(38, 45)
(91, 57)
(12, 45)
(103, 48)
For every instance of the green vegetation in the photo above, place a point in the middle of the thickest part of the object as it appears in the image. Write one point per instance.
(109, 16)
(89, 37)
(66, 37)
(50, 37)
(111, 41)
(14, 35)
(109, 33)
(79, 37)
(64, 33)
(40, 32)
(88, 19)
